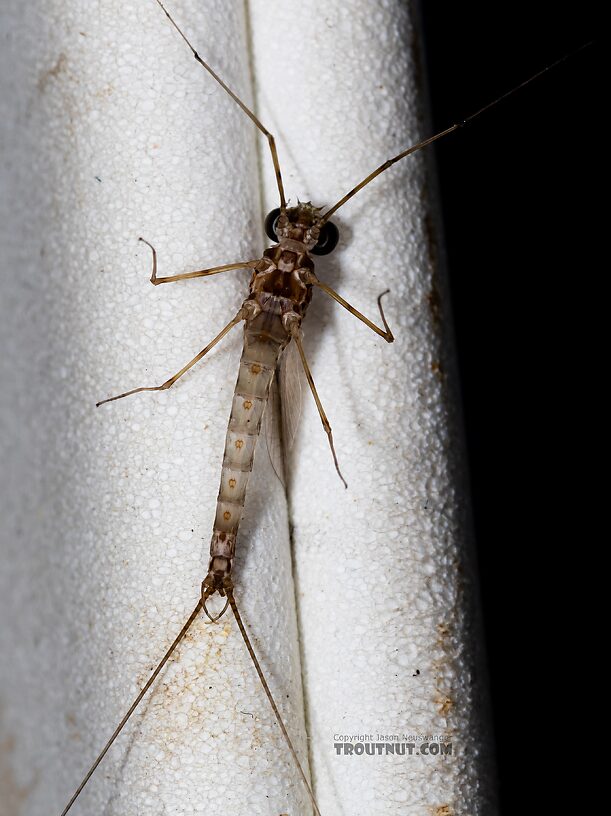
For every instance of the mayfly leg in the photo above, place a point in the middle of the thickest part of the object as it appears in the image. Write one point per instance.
(175, 377)
(200, 273)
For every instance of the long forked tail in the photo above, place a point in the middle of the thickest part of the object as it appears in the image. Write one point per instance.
(271, 700)
(133, 706)
(198, 607)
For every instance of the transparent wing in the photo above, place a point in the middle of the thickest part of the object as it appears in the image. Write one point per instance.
(283, 411)
(272, 431)
(291, 393)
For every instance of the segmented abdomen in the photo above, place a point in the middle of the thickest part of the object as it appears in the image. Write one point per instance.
(264, 340)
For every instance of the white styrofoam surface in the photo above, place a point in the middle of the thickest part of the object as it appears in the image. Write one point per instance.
(114, 133)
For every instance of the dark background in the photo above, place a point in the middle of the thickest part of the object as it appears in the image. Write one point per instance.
(516, 192)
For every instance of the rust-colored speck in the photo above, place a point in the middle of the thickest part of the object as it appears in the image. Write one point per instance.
(105, 92)
(434, 301)
(226, 515)
(430, 232)
(14, 795)
(247, 405)
(239, 443)
(444, 704)
(52, 73)
(232, 483)
(443, 630)
(437, 369)
(255, 368)
(443, 810)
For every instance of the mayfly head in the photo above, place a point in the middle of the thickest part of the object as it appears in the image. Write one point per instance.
(302, 223)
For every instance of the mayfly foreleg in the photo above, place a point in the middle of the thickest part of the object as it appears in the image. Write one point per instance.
(270, 138)
(321, 411)
(200, 273)
(386, 334)
(169, 383)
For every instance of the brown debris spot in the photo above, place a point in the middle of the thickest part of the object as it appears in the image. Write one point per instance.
(14, 795)
(430, 232)
(226, 515)
(437, 369)
(52, 73)
(443, 810)
(247, 405)
(434, 301)
(239, 443)
(255, 368)
(444, 704)
(443, 630)
(232, 483)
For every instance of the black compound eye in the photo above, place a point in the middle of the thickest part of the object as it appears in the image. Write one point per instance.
(329, 236)
(271, 220)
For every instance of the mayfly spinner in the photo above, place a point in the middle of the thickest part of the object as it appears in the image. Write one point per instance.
(281, 287)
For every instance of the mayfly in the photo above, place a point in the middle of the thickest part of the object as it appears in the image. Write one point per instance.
(281, 287)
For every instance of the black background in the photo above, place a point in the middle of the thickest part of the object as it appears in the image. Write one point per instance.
(516, 189)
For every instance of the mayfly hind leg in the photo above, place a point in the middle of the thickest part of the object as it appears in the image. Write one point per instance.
(170, 382)
(386, 334)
